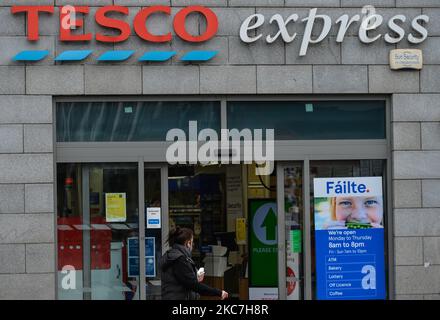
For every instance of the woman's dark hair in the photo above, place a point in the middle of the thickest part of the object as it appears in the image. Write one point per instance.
(180, 236)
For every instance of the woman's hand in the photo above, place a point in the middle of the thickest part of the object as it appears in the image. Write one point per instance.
(200, 274)
(225, 295)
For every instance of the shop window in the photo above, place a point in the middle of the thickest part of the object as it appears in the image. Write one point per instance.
(364, 214)
(131, 121)
(322, 120)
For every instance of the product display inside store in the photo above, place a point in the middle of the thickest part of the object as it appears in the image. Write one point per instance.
(210, 200)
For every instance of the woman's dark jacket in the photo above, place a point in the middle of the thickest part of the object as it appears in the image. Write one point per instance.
(179, 276)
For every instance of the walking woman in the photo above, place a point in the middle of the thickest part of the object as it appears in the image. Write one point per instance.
(180, 280)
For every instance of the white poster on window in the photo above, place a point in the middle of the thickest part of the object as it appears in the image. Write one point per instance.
(263, 293)
(234, 197)
(153, 218)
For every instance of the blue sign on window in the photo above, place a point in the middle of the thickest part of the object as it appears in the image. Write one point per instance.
(133, 266)
(133, 257)
(349, 238)
(150, 267)
(149, 247)
(350, 269)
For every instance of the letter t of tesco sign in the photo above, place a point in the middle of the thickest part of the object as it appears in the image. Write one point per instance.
(102, 18)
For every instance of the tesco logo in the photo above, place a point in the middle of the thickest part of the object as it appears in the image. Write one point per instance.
(69, 21)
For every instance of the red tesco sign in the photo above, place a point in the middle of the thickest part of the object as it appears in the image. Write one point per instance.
(102, 19)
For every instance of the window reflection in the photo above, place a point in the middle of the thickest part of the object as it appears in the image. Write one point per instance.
(132, 121)
(296, 120)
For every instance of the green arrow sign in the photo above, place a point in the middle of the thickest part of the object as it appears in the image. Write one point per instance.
(263, 248)
(270, 223)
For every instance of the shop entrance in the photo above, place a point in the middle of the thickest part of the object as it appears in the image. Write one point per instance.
(118, 198)
(232, 211)
(219, 203)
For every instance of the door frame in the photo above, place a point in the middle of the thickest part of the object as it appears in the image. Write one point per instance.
(86, 233)
(306, 278)
(163, 168)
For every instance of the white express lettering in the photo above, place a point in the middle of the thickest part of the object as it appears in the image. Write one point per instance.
(307, 39)
(282, 26)
(246, 27)
(367, 25)
(420, 29)
(395, 28)
(371, 22)
(345, 22)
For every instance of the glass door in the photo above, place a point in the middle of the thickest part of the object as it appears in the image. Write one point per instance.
(290, 230)
(154, 204)
(113, 217)
(97, 221)
(98, 230)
